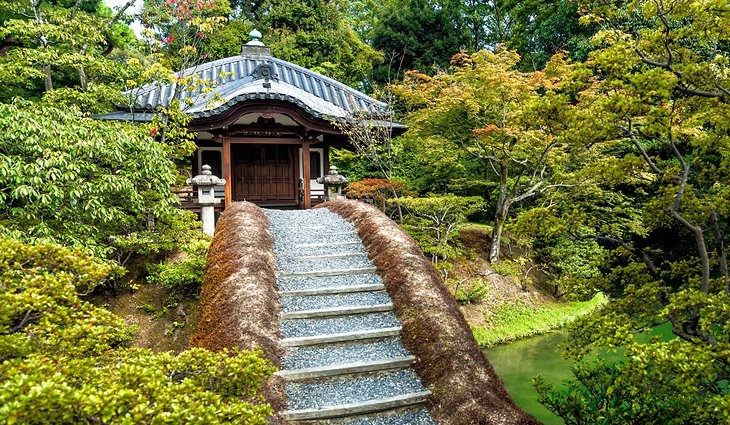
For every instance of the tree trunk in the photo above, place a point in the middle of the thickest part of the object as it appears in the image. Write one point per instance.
(500, 217)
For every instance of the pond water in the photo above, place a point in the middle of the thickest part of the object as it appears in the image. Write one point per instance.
(517, 362)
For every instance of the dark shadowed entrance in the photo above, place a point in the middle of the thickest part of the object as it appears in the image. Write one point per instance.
(264, 174)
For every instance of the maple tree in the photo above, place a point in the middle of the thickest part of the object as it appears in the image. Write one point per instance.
(506, 118)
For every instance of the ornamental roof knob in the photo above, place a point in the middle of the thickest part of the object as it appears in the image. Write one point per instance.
(255, 37)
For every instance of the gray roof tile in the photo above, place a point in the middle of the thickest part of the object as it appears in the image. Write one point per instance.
(319, 95)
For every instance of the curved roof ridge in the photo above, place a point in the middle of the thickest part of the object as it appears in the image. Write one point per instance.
(243, 79)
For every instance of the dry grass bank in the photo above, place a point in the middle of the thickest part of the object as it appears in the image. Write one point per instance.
(239, 305)
(466, 390)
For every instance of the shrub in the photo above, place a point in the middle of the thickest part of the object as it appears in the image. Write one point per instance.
(63, 360)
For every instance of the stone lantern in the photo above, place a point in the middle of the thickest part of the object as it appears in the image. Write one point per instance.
(206, 183)
(333, 181)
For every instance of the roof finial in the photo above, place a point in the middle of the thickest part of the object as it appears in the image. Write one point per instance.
(255, 37)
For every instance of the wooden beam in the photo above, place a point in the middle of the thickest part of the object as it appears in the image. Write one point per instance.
(306, 175)
(326, 159)
(227, 172)
(265, 140)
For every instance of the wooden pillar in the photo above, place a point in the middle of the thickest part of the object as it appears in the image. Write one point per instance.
(227, 172)
(306, 175)
(326, 159)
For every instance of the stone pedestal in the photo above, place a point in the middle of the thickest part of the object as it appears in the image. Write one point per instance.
(206, 183)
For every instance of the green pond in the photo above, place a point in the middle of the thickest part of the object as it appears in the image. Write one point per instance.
(517, 362)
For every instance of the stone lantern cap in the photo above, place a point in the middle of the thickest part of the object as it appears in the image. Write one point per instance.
(333, 178)
(206, 179)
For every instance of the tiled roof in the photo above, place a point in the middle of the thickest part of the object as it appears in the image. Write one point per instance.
(240, 78)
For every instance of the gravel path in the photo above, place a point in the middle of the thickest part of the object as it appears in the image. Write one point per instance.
(318, 235)
(328, 392)
(317, 356)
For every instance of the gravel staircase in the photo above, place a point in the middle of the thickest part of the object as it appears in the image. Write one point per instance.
(344, 362)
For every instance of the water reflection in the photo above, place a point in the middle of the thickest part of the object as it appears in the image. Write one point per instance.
(517, 362)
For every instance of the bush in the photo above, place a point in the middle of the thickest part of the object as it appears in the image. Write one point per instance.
(184, 276)
(63, 360)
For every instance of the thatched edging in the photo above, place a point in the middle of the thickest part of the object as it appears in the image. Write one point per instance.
(466, 390)
(239, 304)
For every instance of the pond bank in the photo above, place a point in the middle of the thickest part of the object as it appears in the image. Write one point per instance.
(516, 320)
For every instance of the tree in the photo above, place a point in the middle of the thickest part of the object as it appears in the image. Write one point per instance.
(418, 34)
(59, 50)
(662, 86)
(440, 217)
(498, 115)
(82, 182)
(315, 34)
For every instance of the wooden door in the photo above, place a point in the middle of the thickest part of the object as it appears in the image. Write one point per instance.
(263, 173)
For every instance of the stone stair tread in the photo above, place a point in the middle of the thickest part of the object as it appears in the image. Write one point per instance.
(333, 290)
(333, 300)
(330, 256)
(347, 368)
(331, 272)
(305, 357)
(309, 282)
(351, 409)
(326, 244)
(338, 311)
(408, 415)
(289, 265)
(341, 337)
(338, 324)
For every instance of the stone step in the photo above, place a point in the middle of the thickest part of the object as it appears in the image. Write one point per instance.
(339, 311)
(335, 354)
(330, 256)
(361, 408)
(313, 282)
(332, 325)
(347, 369)
(290, 265)
(333, 300)
(336, 272)
(333, 290)
(408, 415)
(328, 244)
(341, 337)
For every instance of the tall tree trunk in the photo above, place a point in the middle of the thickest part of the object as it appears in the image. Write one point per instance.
(44, 43)
(500, 215)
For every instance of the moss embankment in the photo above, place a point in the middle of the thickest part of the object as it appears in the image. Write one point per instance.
(239, 305)
(466, 390)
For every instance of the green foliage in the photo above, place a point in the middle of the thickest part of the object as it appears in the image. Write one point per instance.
(136, 386)
(436, 220)
(40, 306)
(469, 292)
(62, 360)
(316, 35)
(61, 54)
(518, 320)
(78, 181)
(418, 34)
(184, 276)
(605, 392)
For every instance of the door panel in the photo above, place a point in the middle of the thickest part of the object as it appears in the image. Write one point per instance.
(263, 173)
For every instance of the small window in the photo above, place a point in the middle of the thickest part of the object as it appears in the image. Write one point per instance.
(315, 164)
(212, 158)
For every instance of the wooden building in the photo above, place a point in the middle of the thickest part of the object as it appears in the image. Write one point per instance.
(269, 136)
